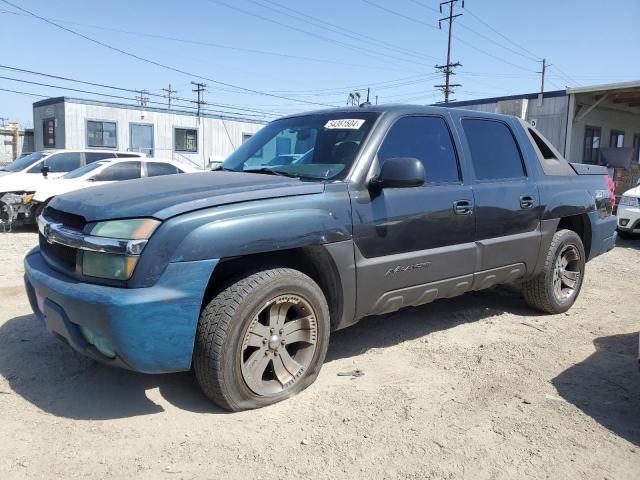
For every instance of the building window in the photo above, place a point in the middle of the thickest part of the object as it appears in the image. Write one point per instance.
(636, 147)
(101, 134)
(49, 133)
(617, 139)
(246, 136)
(186, 140)
(592, 137)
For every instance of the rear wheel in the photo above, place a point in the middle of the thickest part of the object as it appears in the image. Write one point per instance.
(262, 339)
(557, 287)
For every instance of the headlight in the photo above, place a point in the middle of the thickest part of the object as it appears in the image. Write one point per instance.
(132, 229)
(629, 201)
(133, 233)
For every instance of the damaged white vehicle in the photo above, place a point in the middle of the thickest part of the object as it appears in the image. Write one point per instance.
(20, 179)
(101, 173)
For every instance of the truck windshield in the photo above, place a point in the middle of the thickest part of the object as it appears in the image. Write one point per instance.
(316, 147)
(24, 162)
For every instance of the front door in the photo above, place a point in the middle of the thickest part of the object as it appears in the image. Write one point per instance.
(141, 138)
(414, 245)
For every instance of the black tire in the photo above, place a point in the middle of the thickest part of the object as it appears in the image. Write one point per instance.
(539, 292)
(222, 326)
(626, 235)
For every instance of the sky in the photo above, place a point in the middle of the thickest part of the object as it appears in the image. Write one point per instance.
(267, 58)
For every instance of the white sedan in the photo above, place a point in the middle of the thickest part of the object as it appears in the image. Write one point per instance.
(103, 172)
(629, 213)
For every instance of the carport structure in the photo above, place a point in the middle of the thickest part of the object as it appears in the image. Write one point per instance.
(602, 116)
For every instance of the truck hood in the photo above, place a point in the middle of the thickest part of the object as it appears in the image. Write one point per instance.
(170, 195)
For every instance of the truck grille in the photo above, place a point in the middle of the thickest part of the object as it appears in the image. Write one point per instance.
(61, 257)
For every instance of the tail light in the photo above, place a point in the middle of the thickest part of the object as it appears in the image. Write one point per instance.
(612, 190)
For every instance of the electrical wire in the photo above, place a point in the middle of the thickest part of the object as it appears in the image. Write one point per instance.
(162, 65)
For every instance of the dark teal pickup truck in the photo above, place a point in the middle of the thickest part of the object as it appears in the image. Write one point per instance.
(317, 221)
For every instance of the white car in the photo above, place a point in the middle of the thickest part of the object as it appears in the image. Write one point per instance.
(22, 177)
(101, 173)
(629, 213)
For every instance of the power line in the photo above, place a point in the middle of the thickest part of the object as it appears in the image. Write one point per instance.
(122, 89)
(161, 65)
(359, 49)
(211, 44)
(489, 39)
(340, 30)
(23, 93)
(118, 97)
(420, 22)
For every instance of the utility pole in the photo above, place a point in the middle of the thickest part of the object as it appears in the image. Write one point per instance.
(542, 73)
(169, 96)
(3, 120)
(200, 88)
(143, 97)
(448, 68)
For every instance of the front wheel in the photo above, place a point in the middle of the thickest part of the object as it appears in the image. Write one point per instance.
(261, 339)
(557, 287)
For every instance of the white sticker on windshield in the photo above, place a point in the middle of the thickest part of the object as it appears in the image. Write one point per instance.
(345, 123)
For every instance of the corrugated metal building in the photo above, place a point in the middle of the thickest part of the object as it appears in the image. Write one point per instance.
(578, 121)
(14, 142)
(65, 122)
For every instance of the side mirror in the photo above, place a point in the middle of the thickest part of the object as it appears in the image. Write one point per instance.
(399, 172)
(45, 170)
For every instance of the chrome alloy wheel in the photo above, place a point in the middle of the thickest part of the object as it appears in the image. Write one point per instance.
(279, 345)
(566, 274)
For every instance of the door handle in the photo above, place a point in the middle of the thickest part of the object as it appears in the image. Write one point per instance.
(462, 207)
(526, 201)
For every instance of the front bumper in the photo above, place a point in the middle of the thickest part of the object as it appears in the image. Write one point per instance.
(151, 330)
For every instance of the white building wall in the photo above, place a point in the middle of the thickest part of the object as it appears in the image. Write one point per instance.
(215, 142)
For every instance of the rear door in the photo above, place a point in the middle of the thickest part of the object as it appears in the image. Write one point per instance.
(507, 204)
(414, 245)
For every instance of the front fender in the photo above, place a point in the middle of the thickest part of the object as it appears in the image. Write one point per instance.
(261, 232)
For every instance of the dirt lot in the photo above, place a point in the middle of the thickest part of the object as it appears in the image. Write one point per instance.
(475, 387)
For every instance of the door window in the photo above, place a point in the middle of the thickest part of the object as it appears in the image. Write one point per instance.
(494, 152)
(155, 169)
(60, 162)
(141, 138)
(120, 171)
(428, 139)
(617, 139)
(91, 157)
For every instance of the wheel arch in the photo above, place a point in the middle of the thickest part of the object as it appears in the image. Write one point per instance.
(314, 261)
(581, 225)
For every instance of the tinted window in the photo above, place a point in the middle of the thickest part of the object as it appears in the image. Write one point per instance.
(544, 149)
(494, 152)
(157, 169)
(101, 134)
(186, 140)
(119, 171)
(23, 163)
(128, 155)
(60, 162)
(79, 172)
(91, 157)
(428, 140)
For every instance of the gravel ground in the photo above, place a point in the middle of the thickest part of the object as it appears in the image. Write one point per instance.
(477, 387)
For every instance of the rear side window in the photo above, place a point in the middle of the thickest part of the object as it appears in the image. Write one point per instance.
(120, 171)
(494, 151)
(128, 155)
(91, 157)
(427, 139)
(155, 169)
